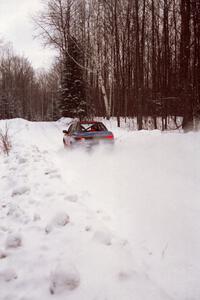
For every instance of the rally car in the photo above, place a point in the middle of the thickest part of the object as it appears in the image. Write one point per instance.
(86, 132)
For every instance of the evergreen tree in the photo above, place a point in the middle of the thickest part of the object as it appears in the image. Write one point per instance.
(72, 91)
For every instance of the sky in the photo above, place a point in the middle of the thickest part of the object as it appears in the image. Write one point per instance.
(17, 27)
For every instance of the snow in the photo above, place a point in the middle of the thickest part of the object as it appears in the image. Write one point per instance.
(2, 254)
(8, 275)
(111, 223)
(63, 280)
(13, 241)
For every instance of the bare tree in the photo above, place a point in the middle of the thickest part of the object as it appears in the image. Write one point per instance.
(5, 140)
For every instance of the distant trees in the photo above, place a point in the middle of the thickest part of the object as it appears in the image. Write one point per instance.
(115, 58)
(16, 77)
(140, 58)
(195, 55)
(23, 92)
(152, 51)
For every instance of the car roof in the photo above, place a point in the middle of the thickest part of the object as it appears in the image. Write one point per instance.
(89, 122)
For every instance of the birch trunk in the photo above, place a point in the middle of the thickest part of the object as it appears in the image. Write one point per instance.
(105, 97)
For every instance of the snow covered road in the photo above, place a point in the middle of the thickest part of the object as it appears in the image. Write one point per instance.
(116, 223)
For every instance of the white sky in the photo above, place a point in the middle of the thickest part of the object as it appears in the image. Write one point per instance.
(17, 27)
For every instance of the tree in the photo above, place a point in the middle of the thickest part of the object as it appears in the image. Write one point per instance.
(55, 28)
(72, 90)
(185, 51)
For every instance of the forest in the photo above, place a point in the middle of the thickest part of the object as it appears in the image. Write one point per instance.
(115, 58)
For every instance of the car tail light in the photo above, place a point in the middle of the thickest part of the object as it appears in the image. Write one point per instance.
(109, 137)
(80, 139)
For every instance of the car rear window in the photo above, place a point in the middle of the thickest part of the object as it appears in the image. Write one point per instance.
(93, 126)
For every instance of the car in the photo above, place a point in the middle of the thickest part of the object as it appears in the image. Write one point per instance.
(86, 132)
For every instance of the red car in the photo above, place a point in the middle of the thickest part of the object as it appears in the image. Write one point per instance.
(89, 132)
